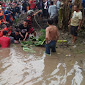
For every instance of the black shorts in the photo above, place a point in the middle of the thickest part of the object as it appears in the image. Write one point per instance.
(74, 30)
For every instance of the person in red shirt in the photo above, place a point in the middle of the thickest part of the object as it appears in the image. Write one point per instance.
(4, 40)
(31, 14)
(32, 4)
(8, 29)
(2, 17)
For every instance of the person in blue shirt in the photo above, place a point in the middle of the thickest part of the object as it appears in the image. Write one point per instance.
(83, 3)
(7, 15)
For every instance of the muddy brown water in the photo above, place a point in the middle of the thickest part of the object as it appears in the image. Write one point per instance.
(23, 68)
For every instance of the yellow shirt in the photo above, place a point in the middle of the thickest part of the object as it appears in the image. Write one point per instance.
(77, 16)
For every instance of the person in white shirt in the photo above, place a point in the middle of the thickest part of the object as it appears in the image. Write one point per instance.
(75, 22)
(53, 12)
(58, 4)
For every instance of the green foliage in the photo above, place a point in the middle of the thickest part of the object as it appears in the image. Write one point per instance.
(27, 43)
(33, 41)
(17, 20)
(26, 49)
(42, 36)
(33, 38)
(42, 31)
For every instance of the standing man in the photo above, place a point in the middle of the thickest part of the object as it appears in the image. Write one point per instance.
(58, 4)
(51, 37)
(53, 12)
(75, 22)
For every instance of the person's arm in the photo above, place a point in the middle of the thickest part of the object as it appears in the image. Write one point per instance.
(20, 28)
(21, 34)
(37, 12)
(47, 33)
(25, 36)
(49, 10)
(57, 34)
(5, 13)
(35, 33)
(80, 21)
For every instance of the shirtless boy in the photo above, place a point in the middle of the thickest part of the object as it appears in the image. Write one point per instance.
(51, 37)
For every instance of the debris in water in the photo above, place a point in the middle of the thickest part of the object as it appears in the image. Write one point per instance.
(74, 46)
(68, 55)
(58, 53)
(26, 49)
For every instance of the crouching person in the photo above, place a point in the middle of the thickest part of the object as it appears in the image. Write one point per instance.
(5, 40)
(51, 37)
(25, 30)
(16, 36)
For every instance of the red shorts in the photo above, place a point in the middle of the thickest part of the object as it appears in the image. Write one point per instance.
(31, 30)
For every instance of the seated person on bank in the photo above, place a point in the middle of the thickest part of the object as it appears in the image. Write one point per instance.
(16, 36)
(9, 30)
(25, 30)
(5, 40)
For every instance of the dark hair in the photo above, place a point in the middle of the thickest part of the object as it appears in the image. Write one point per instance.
(26, 20)
(77, 5)
(51, 2)
(50, 21)
(17, 30)
(8, 25)
(5, 32)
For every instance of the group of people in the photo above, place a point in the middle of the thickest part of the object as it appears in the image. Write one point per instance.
(12, 11)
(21, 33)
(45, 8)
(52, 34)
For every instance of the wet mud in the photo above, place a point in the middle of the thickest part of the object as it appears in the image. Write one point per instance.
(65, 67)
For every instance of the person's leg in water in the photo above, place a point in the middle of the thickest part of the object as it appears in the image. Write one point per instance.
(47, 49)
(53, 48)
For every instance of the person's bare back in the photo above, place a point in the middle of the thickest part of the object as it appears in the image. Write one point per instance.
(51, 37)
(51, 33)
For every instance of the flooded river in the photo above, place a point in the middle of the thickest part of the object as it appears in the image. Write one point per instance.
(22, 68)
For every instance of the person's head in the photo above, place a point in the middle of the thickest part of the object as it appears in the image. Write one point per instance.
(16, 32)
(30, 13)
(25, 23)
(51, 2)
(76, 7)
(50, 21)
(7, 8)
(5, 33)
(9, 27)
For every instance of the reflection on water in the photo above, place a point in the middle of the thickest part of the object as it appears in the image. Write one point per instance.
(18, 68)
